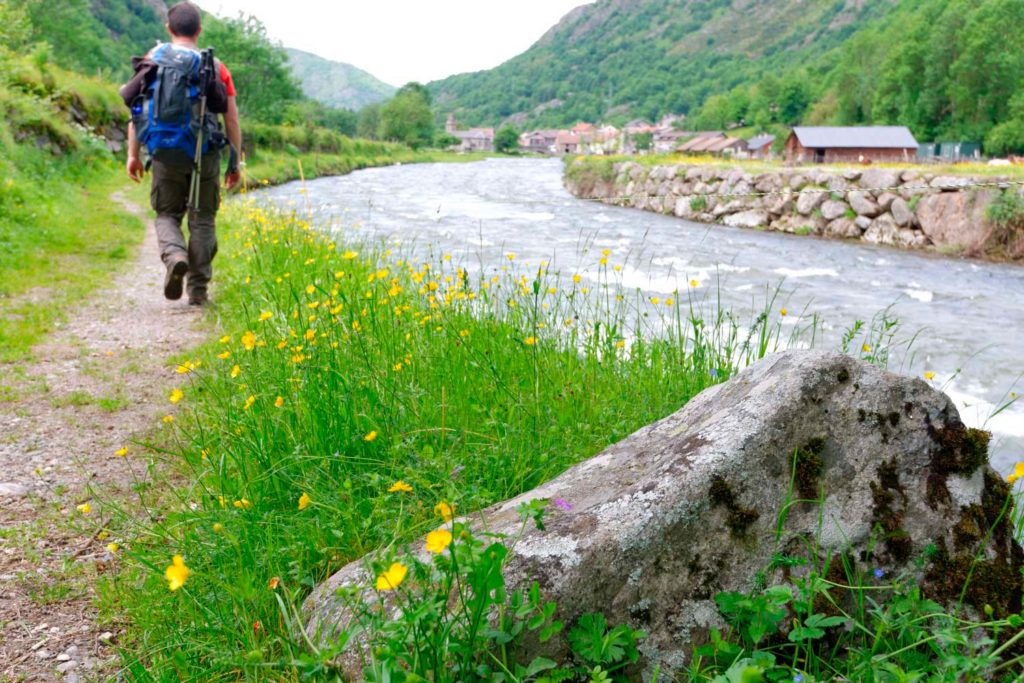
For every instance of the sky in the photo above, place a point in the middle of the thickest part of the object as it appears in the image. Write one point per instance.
(401, 40)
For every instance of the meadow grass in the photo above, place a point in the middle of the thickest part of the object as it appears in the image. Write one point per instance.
(340, 370)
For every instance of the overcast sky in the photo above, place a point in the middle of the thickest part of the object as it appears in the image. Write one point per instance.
(401, 40)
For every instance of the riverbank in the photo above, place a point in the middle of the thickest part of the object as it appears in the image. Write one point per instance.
(957, 215)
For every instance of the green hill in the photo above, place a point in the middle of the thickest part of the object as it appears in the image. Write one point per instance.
(949, 69)
(336, 84)
(646, 58)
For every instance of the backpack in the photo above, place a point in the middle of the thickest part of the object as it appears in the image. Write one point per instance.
(166, 111)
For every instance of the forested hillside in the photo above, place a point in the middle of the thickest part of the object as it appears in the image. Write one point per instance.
(336, 84)
(950, 69)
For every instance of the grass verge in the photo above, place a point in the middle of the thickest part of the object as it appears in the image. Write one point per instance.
(341, 370)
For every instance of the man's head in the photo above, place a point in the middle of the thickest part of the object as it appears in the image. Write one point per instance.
(184, 20)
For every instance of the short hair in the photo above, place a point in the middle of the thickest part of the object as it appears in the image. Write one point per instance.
(184, 19)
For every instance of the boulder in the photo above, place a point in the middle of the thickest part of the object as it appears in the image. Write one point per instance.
(879, 180)
(832, 209)
(809, 200)
(747, 219)
(863, 204)
(956, 218)
(802, 225)
(693, 505)
(883, 230)
(862, 222)
(901, 212)
(951, 183)
(886, 199)
(842, 227)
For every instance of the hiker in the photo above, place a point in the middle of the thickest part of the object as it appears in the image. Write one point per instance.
(165, 101)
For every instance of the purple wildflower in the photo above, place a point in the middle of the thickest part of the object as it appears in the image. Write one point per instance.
(879, 573)
(563, 503)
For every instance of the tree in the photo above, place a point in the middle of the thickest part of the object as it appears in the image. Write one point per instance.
(507, 140)
(643, 141)
(368, 126)
(407, 117)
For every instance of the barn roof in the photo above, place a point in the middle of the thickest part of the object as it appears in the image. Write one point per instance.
(875, 137)
(759, 141)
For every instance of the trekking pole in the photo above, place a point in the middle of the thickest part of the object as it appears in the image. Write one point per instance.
(205, 74)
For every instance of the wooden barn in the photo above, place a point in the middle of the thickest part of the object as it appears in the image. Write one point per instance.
(854, 144)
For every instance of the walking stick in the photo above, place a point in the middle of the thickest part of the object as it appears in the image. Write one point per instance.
(206, 68)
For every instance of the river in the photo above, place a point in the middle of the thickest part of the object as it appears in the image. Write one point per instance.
(968, 316)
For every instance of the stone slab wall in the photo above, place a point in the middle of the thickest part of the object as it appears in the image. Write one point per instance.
(903, 208)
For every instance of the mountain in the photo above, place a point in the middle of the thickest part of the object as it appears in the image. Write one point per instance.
(336, 84)
(645, 58)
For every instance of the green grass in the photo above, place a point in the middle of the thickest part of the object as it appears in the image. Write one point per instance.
(476, 387)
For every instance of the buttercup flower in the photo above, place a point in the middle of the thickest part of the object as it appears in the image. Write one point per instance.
(279, 401)
(235, 372)
(399, 487)
(929, 376)
(304, 501)
(273, 583)
(242, 504)
(1018, 473)
(112, 548)
(249, 340)
(866, 348)
(177, 573)
(438, 540)
(266, 315)
(176, 396)
(392, 578)
(85, 508)
(121, 452)
(445, 511)
(370, 437)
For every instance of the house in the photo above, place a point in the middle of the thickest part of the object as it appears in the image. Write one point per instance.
(699, 141)
(539, 141)
(583, 129)
(567, 142)
(726, 146)
(853, 144)
(668, 139)
(760, 146)
(472, 140)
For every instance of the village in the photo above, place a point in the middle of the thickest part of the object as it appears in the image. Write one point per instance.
(805, 144)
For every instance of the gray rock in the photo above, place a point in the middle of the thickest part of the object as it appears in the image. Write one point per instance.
(901, 212)
(956, 219)
(832, 209)
(809, 200)
(862, 203)
(67, 666)
(880, 179)
(883, 230)
(689, 506)
(886, 199)
(747, 219)
(842, 227)
(12, 489)
(862, 222)
(950, 183)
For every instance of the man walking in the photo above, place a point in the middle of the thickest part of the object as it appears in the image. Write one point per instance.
(166, 79)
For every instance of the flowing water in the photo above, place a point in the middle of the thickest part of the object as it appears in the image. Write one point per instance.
(968, 316)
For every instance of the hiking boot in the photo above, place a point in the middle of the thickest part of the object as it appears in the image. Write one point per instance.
(198, 299)
(174, 279)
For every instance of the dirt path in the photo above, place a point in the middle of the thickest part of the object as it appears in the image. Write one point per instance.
(101, 380)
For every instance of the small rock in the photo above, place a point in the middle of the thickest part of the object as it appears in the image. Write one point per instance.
(12, 490)
(885, 200)
(106, 637)
(43, 654)
(950, 183)
(67, 666)
(842, 227)
(862, 222)
(901, 212)
(862, 203)
(809, 200)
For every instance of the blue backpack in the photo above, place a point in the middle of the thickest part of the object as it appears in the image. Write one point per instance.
(166, 114)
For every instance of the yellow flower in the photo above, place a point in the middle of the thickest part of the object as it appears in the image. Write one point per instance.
(371, 436)
(279, 401)
(235, 372)
(103, 535)
(349, 255)
(695, 284)
(655, 300)
(866, 348)
(530, 341)
(168, 419)
(576, 278)
(304, 501)
(176, 396)
(113, 548)
(177, 573)
(510, 257)
(621, 344)
(392, 578)
(225, 339)
(249, 340)
(464, 333)
(121, 452)
(783, 311)
(399, 487)
(224, 356)
(445, 511)
(185, 368)
(248, 402)
(243, 504)
(85, 508)
(218, 528)
(929, 376)
(1018, 473)
(606, 252)
(273, 583)
(266, 315)
(438, 540)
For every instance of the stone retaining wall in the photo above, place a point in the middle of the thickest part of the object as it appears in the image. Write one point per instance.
(904, 208)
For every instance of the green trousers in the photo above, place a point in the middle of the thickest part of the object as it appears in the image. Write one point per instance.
(169, 198)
